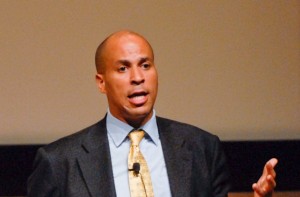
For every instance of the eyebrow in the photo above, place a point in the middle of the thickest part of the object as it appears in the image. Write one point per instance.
(144, 59)
(141, 60)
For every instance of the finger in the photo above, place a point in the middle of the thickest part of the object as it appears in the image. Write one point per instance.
(257, 190)
(270, 170)
(272, 162)
(271, 182)
(269, 167)
(267, 186)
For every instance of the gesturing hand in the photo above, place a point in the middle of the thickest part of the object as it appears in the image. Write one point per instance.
(266, 183)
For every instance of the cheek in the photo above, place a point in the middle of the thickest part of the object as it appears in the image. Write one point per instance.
(116, 88)
(154, 82)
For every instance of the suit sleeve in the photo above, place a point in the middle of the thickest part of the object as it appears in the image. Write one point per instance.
(42, 182)
(220, 173)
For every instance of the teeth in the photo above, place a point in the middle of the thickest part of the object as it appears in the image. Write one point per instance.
(138, 97)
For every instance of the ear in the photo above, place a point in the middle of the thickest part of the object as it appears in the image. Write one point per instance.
(100, 83)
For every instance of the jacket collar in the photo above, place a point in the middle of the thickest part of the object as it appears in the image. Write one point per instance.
(95, 163)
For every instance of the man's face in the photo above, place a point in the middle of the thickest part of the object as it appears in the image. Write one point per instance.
(129, 79)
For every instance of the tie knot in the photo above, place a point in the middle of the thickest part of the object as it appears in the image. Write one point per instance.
(136, 136)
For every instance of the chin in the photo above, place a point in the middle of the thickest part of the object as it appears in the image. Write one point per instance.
(139, 114)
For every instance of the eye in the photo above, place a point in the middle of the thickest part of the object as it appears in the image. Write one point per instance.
(146, 66)
(122, 69)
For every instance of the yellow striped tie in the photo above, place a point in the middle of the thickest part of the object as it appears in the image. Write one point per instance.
(139, 176)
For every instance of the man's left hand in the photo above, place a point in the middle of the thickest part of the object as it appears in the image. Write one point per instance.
(266, 183)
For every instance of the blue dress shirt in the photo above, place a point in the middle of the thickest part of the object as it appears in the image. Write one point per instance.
(151, 149)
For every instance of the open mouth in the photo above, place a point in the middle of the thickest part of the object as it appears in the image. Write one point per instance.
(138, 98)
(137, 95)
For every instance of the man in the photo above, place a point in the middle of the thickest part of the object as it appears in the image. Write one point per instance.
(183, 160)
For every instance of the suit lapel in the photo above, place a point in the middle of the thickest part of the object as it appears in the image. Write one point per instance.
(96, 168)
(95, 163)
(177, 157)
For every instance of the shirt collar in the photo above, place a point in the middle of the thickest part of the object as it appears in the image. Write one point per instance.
(119, 130)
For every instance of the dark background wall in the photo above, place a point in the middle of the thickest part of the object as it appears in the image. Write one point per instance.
(245, 158)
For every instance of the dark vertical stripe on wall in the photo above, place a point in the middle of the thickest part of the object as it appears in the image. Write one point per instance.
(245, 158)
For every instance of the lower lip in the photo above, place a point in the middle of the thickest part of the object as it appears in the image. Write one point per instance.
(138, 100)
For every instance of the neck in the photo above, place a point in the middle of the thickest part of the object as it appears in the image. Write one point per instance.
(137, 123)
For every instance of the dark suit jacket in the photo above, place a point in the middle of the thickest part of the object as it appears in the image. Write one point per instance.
(80, 165)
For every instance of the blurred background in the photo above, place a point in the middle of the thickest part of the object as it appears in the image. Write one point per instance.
(229, 67)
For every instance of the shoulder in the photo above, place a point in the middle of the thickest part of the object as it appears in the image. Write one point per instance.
(194, 137)
(183, 129)
(71, 145)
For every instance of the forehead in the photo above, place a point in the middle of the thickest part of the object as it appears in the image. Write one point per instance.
(128, 44)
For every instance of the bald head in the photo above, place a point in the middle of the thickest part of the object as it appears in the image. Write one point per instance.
(103, 49)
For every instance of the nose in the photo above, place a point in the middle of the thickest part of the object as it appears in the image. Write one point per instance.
(137, 76)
